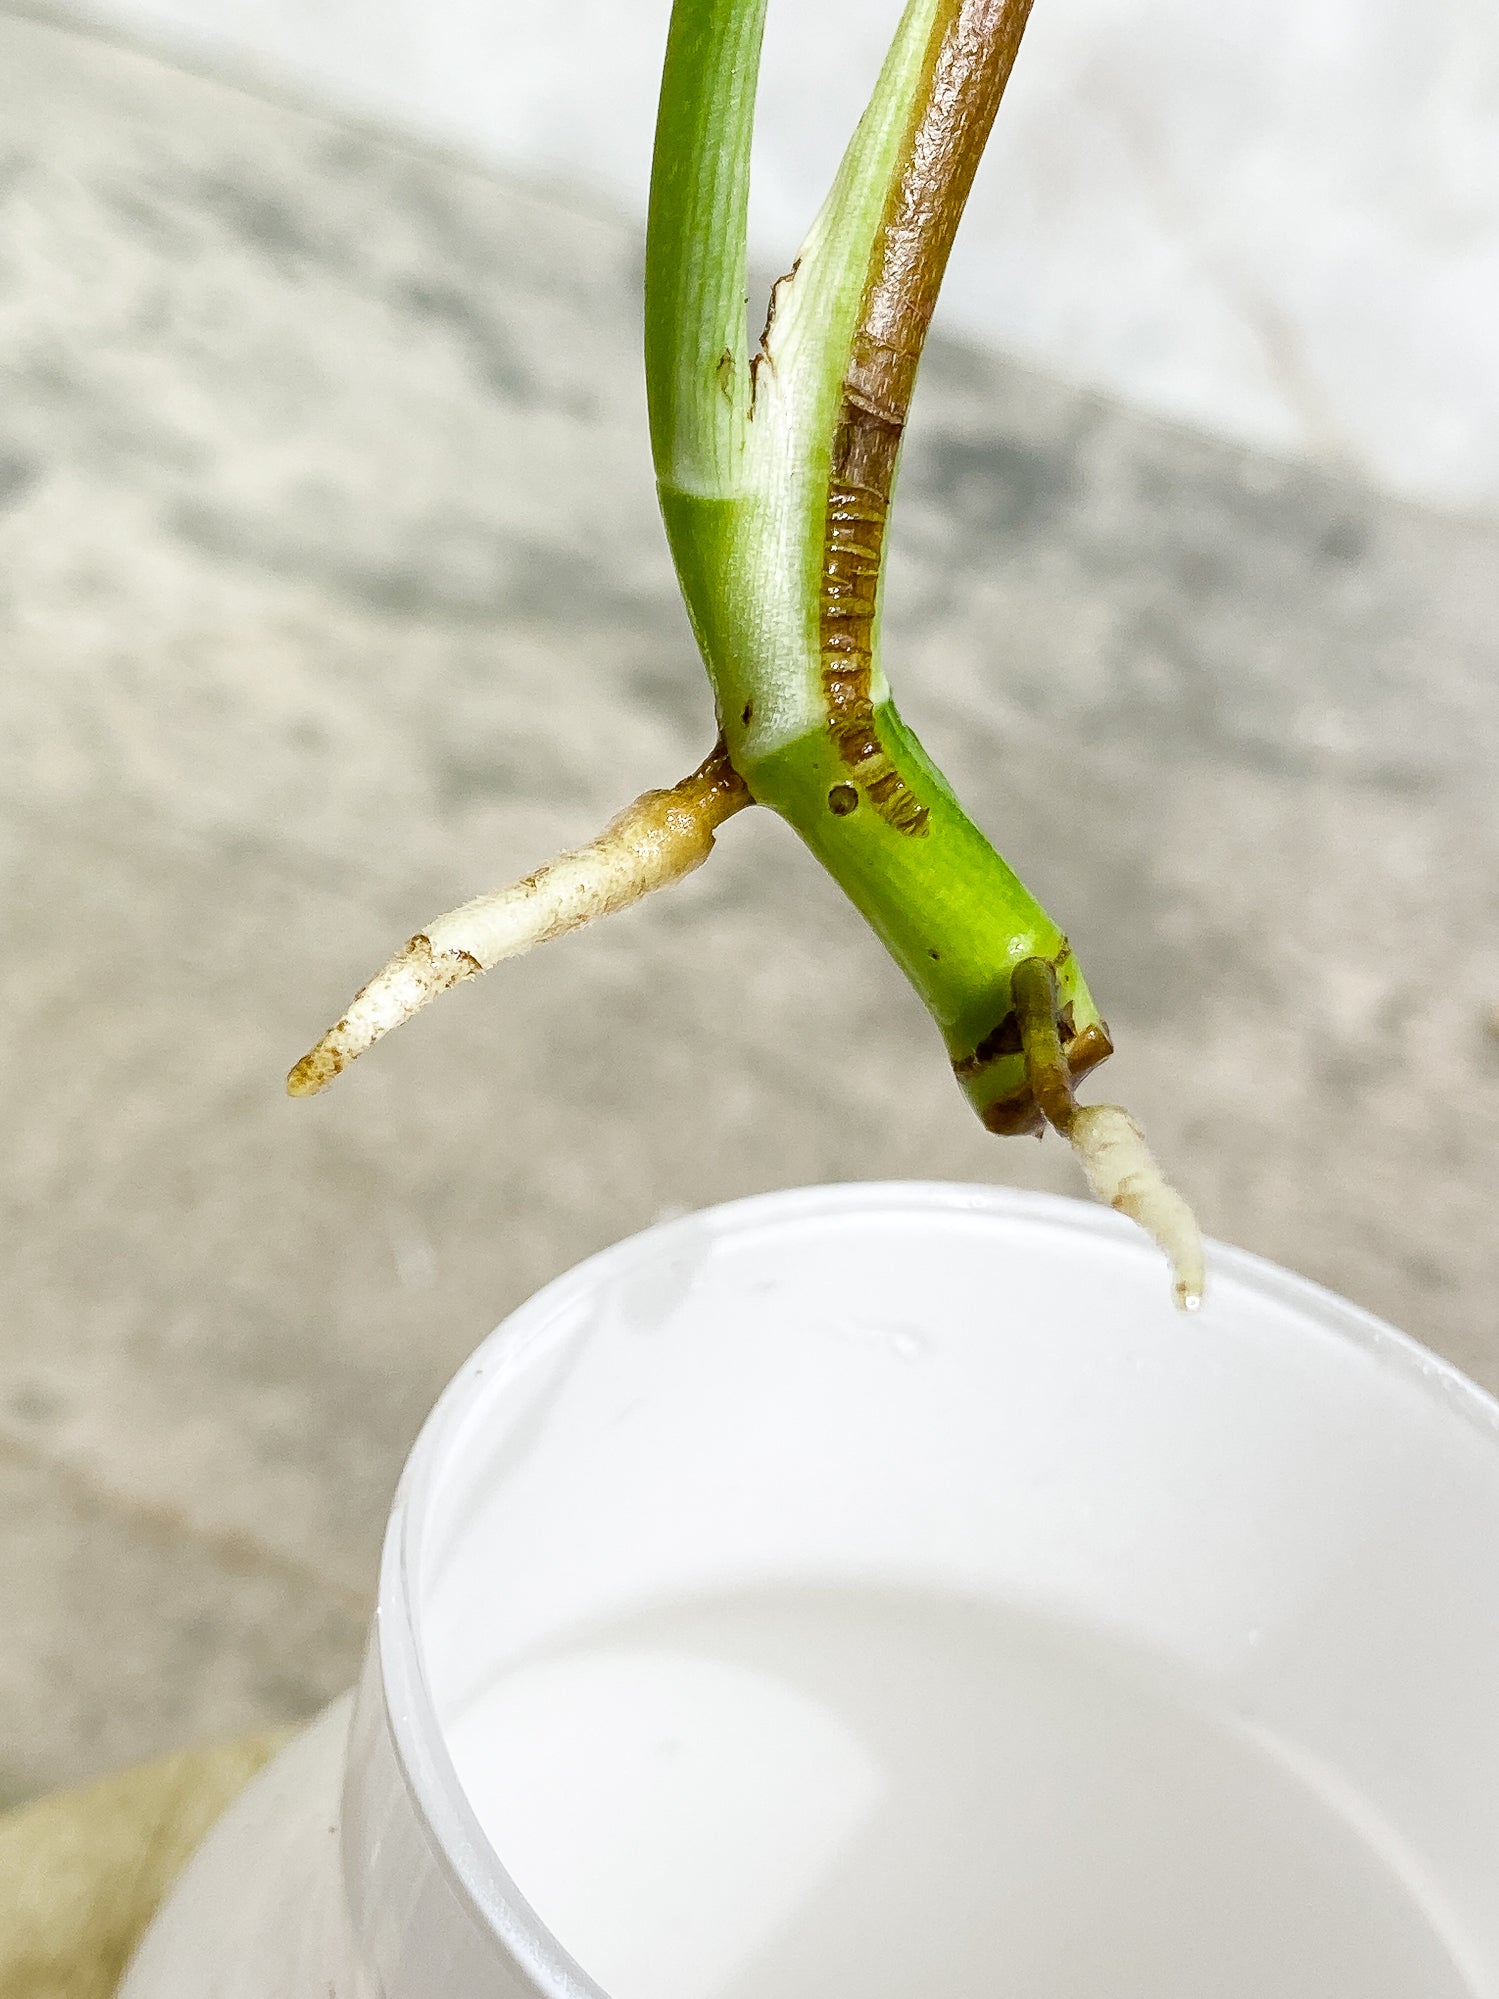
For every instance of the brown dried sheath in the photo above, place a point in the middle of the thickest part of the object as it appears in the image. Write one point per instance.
(970, 54)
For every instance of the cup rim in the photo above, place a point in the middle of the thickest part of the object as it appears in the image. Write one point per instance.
(458, 1841)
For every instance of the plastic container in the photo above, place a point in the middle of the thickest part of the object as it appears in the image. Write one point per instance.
(880, 1590)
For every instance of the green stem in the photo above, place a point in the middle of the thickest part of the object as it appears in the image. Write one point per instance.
(776, 476)
(695, 345)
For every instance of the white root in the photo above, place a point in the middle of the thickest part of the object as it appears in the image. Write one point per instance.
(663, 836)
(1122, 1171)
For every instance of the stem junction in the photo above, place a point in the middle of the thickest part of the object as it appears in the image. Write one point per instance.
(775, 473)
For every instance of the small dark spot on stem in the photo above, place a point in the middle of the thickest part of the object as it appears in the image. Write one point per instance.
(934, 954)
(747, 711)
(842, 799)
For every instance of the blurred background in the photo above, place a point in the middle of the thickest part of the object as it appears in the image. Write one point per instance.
(331, 591)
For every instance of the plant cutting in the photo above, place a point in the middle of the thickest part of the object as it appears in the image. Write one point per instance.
(775, 467)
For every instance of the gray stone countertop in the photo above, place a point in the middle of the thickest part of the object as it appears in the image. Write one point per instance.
(332, 592)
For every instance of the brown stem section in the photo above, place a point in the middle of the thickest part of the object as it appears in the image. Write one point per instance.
(969, 59)
(1047, 1070)
(715, 788)
(971, 54)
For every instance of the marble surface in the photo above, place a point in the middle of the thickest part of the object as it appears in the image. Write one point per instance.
(1276, 219)
(333, 591)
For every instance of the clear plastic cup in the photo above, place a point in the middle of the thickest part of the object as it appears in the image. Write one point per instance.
(880, 1590)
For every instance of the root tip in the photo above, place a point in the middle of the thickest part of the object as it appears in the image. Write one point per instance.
(314, 1072)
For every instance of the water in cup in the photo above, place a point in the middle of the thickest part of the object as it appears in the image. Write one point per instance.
(874, 1794)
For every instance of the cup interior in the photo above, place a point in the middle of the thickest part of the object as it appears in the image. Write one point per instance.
(876, 1590)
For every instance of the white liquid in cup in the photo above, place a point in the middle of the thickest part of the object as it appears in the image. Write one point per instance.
(806, 1794)
(883, 1592)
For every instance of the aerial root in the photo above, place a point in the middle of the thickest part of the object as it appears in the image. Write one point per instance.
(661, 837)
(1120, 1167)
